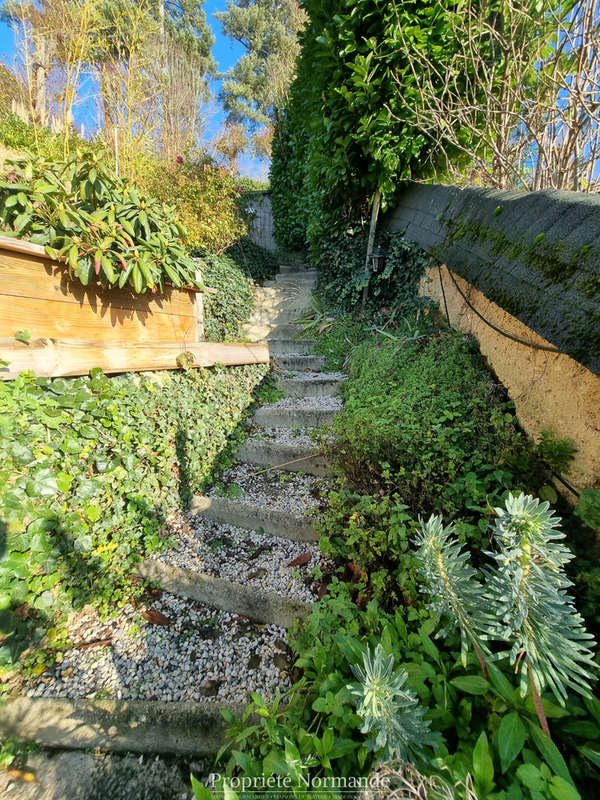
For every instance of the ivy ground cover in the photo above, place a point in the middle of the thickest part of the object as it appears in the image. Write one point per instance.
(89, 469)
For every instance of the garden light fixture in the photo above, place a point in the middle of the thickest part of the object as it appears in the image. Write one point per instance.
(378, 259)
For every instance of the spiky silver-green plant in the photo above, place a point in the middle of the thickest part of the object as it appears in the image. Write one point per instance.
(534, 612)
(389, 710)
(453, 586)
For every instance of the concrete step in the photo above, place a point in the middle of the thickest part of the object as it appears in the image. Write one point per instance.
(291, 363)
(75, 775)
(270, 452)
(138, 726)
(318, 385)
(255, 517)
(283, 315)
(266, 332)
(237, 598)
(286, 268)
(270, 416)
(282, 347)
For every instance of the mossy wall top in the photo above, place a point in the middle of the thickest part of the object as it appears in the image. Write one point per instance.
(536, 254)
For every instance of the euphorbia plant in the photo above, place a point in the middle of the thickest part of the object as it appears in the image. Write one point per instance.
(524, 602)
(98, 223)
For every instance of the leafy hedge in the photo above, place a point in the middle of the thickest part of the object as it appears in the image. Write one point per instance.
(206, 198)
(89, 470)
(342, 273)
(347, 131)
(227, 310)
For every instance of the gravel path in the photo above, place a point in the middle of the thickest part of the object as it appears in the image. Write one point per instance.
(302, 376)
(203, 654)
(319, 401)
(298, 437)
(285, 491)
(243, 556)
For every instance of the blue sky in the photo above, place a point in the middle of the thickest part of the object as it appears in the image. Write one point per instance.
(226, 52)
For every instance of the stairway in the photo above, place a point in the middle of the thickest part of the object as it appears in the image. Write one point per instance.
(237, 576)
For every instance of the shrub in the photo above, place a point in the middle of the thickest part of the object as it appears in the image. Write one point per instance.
(205, 196)
(342, 275)
(257, 262)
(95, 221)
(15, 134)
(89, 469)
(227, 310)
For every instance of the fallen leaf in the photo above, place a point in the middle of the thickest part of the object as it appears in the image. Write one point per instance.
(321, 589)
(302, 559)
(258, 573)
(239, 618)
(210, 688)
(155, 617)
(22, 775)
(95, 643)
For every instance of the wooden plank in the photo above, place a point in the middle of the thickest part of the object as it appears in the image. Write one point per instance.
(54, 358)
(57, 320)
(22, 276)
(21, 246)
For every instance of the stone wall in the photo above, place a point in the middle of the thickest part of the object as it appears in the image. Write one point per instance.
(528, 263)
(261, 231)
(537, 255)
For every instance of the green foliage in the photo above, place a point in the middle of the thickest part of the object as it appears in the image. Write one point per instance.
(424, 419)
(89, 469)
(15, 134)
(101, 226)
(588, 507)
(528, 594)
(206, 198)
(230, 307)
(483, 731)
(391, 293)
(390, 711)
(287, 181)
(451, 584)
(347, 120)
(335, 335)
(257, 262)
(524, 602)
(255, 88)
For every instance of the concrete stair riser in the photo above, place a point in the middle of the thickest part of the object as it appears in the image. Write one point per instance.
(310, 387)
(269, 417)
(282, 347)
(138, 726)
(255, 517)
(269, 453)
(265, 332)
(301, 363)
(237, 598)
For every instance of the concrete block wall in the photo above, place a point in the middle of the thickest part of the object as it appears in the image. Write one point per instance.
(537, 255)
(494, 259)
(261, 230)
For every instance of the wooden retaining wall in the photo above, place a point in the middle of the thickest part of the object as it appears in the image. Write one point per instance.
(38, 295)
(74, 328)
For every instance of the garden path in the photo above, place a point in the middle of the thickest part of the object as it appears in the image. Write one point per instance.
(238, 576)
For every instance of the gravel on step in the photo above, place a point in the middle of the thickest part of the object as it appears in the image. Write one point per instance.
(320, 402)
(284, 491)
(321, 376)
(202, 654)
(297, 437)
(243, 556)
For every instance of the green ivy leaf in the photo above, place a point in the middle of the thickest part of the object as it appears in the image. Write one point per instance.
(23, 336)
(511, 738)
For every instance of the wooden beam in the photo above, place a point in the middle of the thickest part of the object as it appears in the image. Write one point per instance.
(51, 358)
